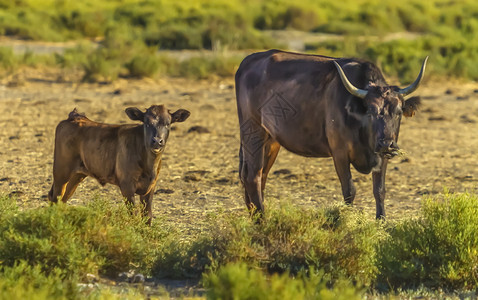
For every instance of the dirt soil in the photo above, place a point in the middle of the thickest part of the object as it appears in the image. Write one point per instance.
(199, 174)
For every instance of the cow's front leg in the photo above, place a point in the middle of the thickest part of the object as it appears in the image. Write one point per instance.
(146, 206)
(379, 189)
(342, 167)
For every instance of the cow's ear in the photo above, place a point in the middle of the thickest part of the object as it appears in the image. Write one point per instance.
(411, 106)
(134, 114)
(180, 115)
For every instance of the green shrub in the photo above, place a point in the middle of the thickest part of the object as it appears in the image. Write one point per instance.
(101, 66)
(47, 251)
(237, 281)
(8, 60)
(144, 64)
(338, 240)
(8, 207)
(23, 281)
(98, 238)
(203, 67)
(438, 249)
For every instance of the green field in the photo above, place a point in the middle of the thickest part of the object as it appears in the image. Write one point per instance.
(294, 254)
(445, 30)
(333, 252)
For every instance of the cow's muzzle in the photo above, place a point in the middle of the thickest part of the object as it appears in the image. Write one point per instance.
(157, 145)
(387, 148)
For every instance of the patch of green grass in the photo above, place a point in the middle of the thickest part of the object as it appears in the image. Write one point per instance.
(8, 60)
(97, 239)
(439, 249)
(203, 67)
(234, 24)
(338, 240)
(450, 55)
(238, 281)
(48, 251)
(133, 29)
(24, 281)
(8, 207)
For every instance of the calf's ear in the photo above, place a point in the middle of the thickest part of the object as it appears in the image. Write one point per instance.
(180, 115)
(411, 106)
(134, 114)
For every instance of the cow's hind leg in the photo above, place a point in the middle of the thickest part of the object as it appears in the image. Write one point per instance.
(242, 172)
(271, 149)
(253, 144)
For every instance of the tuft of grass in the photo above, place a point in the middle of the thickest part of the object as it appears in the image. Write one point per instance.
(204, 67)
(143, 65)
(437, 249)
(238, 281)
(338, 240)
(8, 60)
(98, 239)
(24, 281)
(8, 207)
(48, 251)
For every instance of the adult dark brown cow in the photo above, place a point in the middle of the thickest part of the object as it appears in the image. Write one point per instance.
(318, 106)
(128, 156)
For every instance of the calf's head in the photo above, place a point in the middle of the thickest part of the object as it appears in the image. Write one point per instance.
(157, 122)
(384, 108)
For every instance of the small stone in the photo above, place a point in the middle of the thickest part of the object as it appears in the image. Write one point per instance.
(198, 129)
(282, 172)
(123, 276)
(138, 278)
(91, 278)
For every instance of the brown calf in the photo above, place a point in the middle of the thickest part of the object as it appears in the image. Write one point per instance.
(128, 156)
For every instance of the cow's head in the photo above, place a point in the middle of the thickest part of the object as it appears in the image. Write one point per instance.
(385, 106)
(157, 122)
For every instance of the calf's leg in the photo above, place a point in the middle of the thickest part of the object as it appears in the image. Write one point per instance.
(60, 180)
(146, 206)
(57, 189)
(72, 185)
(128, 191)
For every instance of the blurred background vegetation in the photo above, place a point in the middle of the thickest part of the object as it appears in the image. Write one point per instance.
(128, 33)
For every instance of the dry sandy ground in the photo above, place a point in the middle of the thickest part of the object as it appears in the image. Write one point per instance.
(199, 174)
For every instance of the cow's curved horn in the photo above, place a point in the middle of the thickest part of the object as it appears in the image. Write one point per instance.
(412, 87)
(349, 86)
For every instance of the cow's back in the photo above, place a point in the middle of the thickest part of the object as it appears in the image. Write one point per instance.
(90, 148)
(286, 94)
